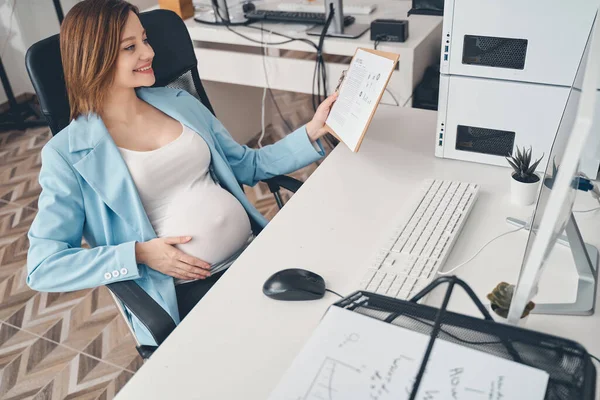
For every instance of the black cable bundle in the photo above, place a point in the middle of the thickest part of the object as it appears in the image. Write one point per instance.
(319, 74)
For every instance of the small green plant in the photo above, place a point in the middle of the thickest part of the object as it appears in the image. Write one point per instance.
(501, 297)
(521, 163)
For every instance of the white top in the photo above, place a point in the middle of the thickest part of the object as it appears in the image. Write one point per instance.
(334, 226)
(181, 199)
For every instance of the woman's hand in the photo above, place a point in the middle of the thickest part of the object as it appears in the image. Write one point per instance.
(160, 255)
(316, 127)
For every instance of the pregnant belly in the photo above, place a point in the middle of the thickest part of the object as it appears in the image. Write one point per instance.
(213, 217)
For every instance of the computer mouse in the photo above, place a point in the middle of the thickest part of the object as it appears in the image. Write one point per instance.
(294, 284)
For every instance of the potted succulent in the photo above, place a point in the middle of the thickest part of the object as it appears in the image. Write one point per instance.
(500, 299)
(525, 182)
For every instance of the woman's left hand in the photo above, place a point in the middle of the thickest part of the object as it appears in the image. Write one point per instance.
(316, 127)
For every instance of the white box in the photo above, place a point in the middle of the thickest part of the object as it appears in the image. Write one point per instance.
(530, 112)
(555, 31)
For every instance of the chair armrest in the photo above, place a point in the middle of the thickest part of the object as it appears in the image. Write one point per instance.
(149, 312)
(283, 181)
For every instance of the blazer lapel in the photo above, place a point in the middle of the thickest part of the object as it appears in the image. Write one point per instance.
(105, 171)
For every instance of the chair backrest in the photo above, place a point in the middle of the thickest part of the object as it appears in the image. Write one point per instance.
(174, 65)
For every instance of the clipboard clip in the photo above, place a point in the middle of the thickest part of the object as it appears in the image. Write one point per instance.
(341, 80)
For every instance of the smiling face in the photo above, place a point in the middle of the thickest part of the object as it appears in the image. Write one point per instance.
(134, 63)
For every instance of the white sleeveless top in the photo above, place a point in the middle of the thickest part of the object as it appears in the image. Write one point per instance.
(181, 199)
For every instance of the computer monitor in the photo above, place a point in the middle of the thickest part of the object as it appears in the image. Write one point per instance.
(553, 213)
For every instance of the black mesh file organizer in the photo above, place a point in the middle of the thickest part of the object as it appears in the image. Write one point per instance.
(571, 370)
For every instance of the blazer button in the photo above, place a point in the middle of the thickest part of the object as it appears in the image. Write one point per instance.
(115, 274)
(107, 275)
(123, 271)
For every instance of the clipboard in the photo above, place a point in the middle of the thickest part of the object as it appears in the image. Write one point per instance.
(343, 80)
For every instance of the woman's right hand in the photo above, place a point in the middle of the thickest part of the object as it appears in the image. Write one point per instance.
(161, 255)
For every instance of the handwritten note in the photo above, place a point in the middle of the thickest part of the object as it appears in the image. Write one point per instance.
(351, 356)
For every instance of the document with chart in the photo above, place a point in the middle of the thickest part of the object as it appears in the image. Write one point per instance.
(354, 357)
(359, 95)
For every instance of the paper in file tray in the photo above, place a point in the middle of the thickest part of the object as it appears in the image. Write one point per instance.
(369, 346)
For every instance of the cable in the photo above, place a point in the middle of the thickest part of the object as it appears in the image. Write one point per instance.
(479, 251)
(312, 97)
(319, 64)
(586, 211)
(262, 119)
(337, 294)
(259, 41)
(319, 61)
(320, 72)
(271, 94)
(594, 192)
(380, 38)
(201, 21)
(594, 357)
(592, 188)
(289, 126)
(247, 25)
(393, 97)
(264, 96)
(291, 39)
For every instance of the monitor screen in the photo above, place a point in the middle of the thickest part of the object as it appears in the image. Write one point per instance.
(554, 160)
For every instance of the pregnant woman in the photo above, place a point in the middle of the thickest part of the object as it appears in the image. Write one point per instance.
(148, 176)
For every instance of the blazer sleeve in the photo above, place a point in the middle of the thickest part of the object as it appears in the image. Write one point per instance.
(56, 262)
(249, 166)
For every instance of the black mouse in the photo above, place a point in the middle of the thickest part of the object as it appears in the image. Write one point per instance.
(294, 284)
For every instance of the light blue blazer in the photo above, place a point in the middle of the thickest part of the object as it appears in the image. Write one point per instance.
(87, 191)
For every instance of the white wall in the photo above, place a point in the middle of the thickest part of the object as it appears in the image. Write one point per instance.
(32, 20)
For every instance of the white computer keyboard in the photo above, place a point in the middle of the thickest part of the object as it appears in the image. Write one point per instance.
(349, 9)
(417, 249)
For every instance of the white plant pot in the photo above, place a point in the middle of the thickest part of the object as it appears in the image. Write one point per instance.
(523, 194)
(503, 320)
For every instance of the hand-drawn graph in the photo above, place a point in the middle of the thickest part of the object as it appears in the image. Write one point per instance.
(323, 386)
(352, 357)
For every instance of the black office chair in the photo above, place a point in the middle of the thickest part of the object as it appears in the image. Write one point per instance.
(174, 65)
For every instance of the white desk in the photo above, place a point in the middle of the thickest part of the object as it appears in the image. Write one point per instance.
(244, 65)
(237, 343)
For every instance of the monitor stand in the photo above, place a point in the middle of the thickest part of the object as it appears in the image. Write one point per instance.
(337, 28)
(586, 259)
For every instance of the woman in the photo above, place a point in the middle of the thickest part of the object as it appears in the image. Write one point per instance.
(148, 176)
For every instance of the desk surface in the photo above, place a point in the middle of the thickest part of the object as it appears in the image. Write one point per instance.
(420, 28)
(237, 343)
